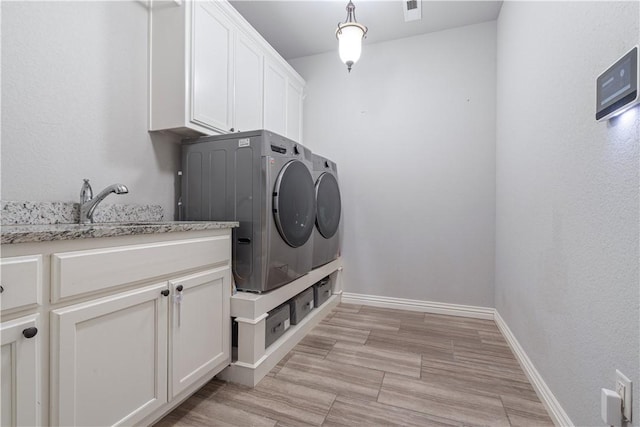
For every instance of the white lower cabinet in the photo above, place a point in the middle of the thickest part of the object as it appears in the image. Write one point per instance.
(200, 327)
(19, 374)
(109, 359)
(114, 331)
(119, 359)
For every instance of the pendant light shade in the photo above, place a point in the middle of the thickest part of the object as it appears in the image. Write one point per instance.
(350, 35)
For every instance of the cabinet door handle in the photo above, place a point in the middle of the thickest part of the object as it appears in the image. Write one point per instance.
(179, 288)
(30, 332)
(165, 293)
(1, 289)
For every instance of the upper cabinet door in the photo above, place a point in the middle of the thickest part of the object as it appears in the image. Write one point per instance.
(294, 111)
(212, 44)
(275, 99)
(248, 85)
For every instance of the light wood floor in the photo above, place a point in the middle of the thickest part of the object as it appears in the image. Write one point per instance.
(373, 366)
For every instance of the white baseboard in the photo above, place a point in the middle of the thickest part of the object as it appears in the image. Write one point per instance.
(557, 414)
(418, 305)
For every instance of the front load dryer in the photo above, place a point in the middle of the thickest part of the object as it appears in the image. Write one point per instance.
(326, 239)
(263, 181)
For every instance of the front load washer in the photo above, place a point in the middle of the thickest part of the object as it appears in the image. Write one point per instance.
(326, 239)
(263, 180)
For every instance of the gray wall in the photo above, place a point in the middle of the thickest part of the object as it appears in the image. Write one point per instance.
(412, 129)
(567, 199)
(74, 104)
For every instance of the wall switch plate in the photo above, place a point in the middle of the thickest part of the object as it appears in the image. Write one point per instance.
(623, 387)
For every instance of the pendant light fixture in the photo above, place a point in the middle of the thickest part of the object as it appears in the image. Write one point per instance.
(350, 35)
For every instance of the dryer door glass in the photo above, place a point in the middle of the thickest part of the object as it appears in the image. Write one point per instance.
(328, 205)
(294, 207)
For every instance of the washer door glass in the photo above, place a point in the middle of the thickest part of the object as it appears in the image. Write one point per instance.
(294, 207)
(328, 205)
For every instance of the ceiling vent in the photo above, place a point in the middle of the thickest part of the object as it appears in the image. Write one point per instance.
(412, 10)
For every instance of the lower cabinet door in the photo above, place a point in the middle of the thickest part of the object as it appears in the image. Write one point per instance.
(109, 359)
(20, 372)
(200, 326)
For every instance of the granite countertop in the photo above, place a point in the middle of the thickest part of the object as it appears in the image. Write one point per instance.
(17, 233)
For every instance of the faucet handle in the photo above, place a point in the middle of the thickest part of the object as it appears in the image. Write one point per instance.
(86, 192)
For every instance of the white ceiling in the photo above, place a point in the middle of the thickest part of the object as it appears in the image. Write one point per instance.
(298, 28)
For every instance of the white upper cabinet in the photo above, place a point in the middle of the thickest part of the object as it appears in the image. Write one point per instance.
(294, 110)
(275, 99)
(212, 73)
(249, 62)
(212, 88)
(283, 92)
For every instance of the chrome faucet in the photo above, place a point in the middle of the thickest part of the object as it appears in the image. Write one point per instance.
(88, 203)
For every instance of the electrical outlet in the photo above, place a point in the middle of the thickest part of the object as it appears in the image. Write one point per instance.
(623, 388)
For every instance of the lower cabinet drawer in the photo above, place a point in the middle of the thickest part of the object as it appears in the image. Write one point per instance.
(322, 291)
(276, 324)
(80, 272)
(21, 282)
(301, 305)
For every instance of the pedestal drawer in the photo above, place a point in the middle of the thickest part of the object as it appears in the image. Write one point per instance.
(21, 281)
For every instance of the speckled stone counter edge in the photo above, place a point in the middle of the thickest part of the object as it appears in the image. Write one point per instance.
(26, 222)
(49, 232)
(34, 213)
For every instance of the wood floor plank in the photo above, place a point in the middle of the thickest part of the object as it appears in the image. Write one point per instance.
(347, 308)
(467, 369)
(420, 396)
(430, 331)
(390, 313)
(462, 322)
(437, 348)
(315, 346)
(332, 377)
(398, 362)
(462, 345)
(206, 412)
(525, 412)
(201, 410)
(493, 338)
(340, 333)
(281, 363)
(211, 388)
(459, 375)
(489, 359)
(283, 401)
(363, 321)
(347, 411)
